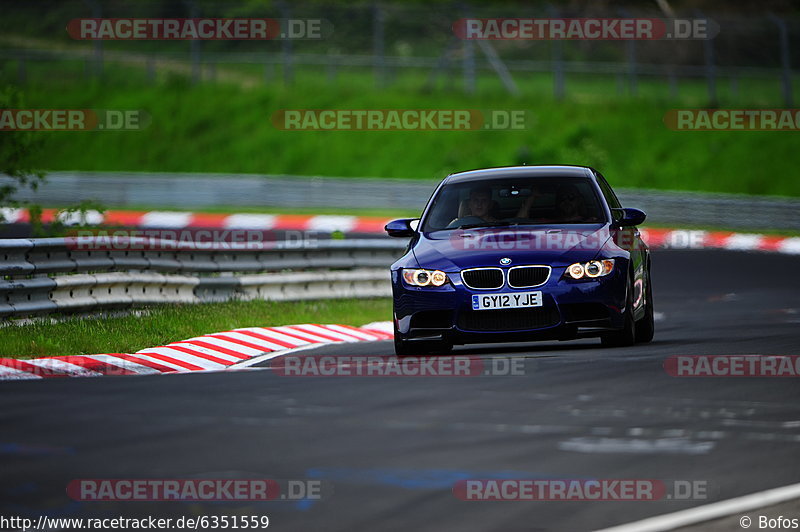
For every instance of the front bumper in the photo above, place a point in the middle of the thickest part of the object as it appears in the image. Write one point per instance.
(570, 309)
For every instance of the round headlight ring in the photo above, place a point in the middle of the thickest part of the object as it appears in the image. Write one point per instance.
(438, 278)
(594, 268)
(576, 271)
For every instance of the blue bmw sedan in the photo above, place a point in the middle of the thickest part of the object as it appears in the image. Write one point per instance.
(521, 254)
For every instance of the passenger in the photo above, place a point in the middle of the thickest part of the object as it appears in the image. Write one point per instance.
(569, 206)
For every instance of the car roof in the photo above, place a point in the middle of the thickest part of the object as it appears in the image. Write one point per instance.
(504, 172)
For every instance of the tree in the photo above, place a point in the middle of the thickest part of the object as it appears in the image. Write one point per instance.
(19, 151)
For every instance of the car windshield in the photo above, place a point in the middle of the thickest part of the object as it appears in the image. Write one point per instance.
(518, 201)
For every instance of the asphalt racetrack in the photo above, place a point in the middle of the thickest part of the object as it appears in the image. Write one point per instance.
(388, 450)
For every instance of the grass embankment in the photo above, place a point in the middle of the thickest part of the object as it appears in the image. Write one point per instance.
(225, 127)
(162, 325)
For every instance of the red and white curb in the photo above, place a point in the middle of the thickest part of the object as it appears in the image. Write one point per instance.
(699, 239)
(211, 352)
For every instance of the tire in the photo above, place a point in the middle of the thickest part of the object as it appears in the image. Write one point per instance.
(646, 327)
(627, 335)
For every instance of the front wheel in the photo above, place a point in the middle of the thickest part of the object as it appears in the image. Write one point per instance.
(627, 335)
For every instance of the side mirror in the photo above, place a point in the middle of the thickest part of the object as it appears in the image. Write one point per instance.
(404, 227)
(628, 217)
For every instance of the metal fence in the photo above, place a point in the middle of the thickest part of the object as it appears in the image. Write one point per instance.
(196, 191)
(67, 275)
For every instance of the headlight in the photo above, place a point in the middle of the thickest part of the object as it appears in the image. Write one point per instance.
(424, 277)
(591, 269)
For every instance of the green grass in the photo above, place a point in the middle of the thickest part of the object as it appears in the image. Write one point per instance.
(224, 127)
(162, 325)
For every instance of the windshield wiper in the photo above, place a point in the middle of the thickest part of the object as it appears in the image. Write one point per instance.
(487, 224)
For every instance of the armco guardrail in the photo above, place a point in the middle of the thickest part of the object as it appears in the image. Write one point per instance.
(40, 276)
(193, 191)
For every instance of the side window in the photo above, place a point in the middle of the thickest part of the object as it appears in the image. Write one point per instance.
(611, 198)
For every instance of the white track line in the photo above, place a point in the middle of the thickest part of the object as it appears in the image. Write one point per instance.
(707, 512)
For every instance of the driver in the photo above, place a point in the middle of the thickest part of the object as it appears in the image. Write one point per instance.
(480, 203)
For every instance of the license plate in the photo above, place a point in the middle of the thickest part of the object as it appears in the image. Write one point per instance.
(513, 300)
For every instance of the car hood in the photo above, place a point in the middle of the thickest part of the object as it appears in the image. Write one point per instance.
(553, 244)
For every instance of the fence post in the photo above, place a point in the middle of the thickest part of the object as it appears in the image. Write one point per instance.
(735, 85)
(786, 77)
(22, 73)
(468, 56)
(268, 71)
(557, 60)
(97, 44)
(633, 81)
(286, 48)
(469, 66)
(630, 54)
(673, 84)
(331, 66)
(378, 53)
(194, 46)
(711, 69)
(151, 69)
